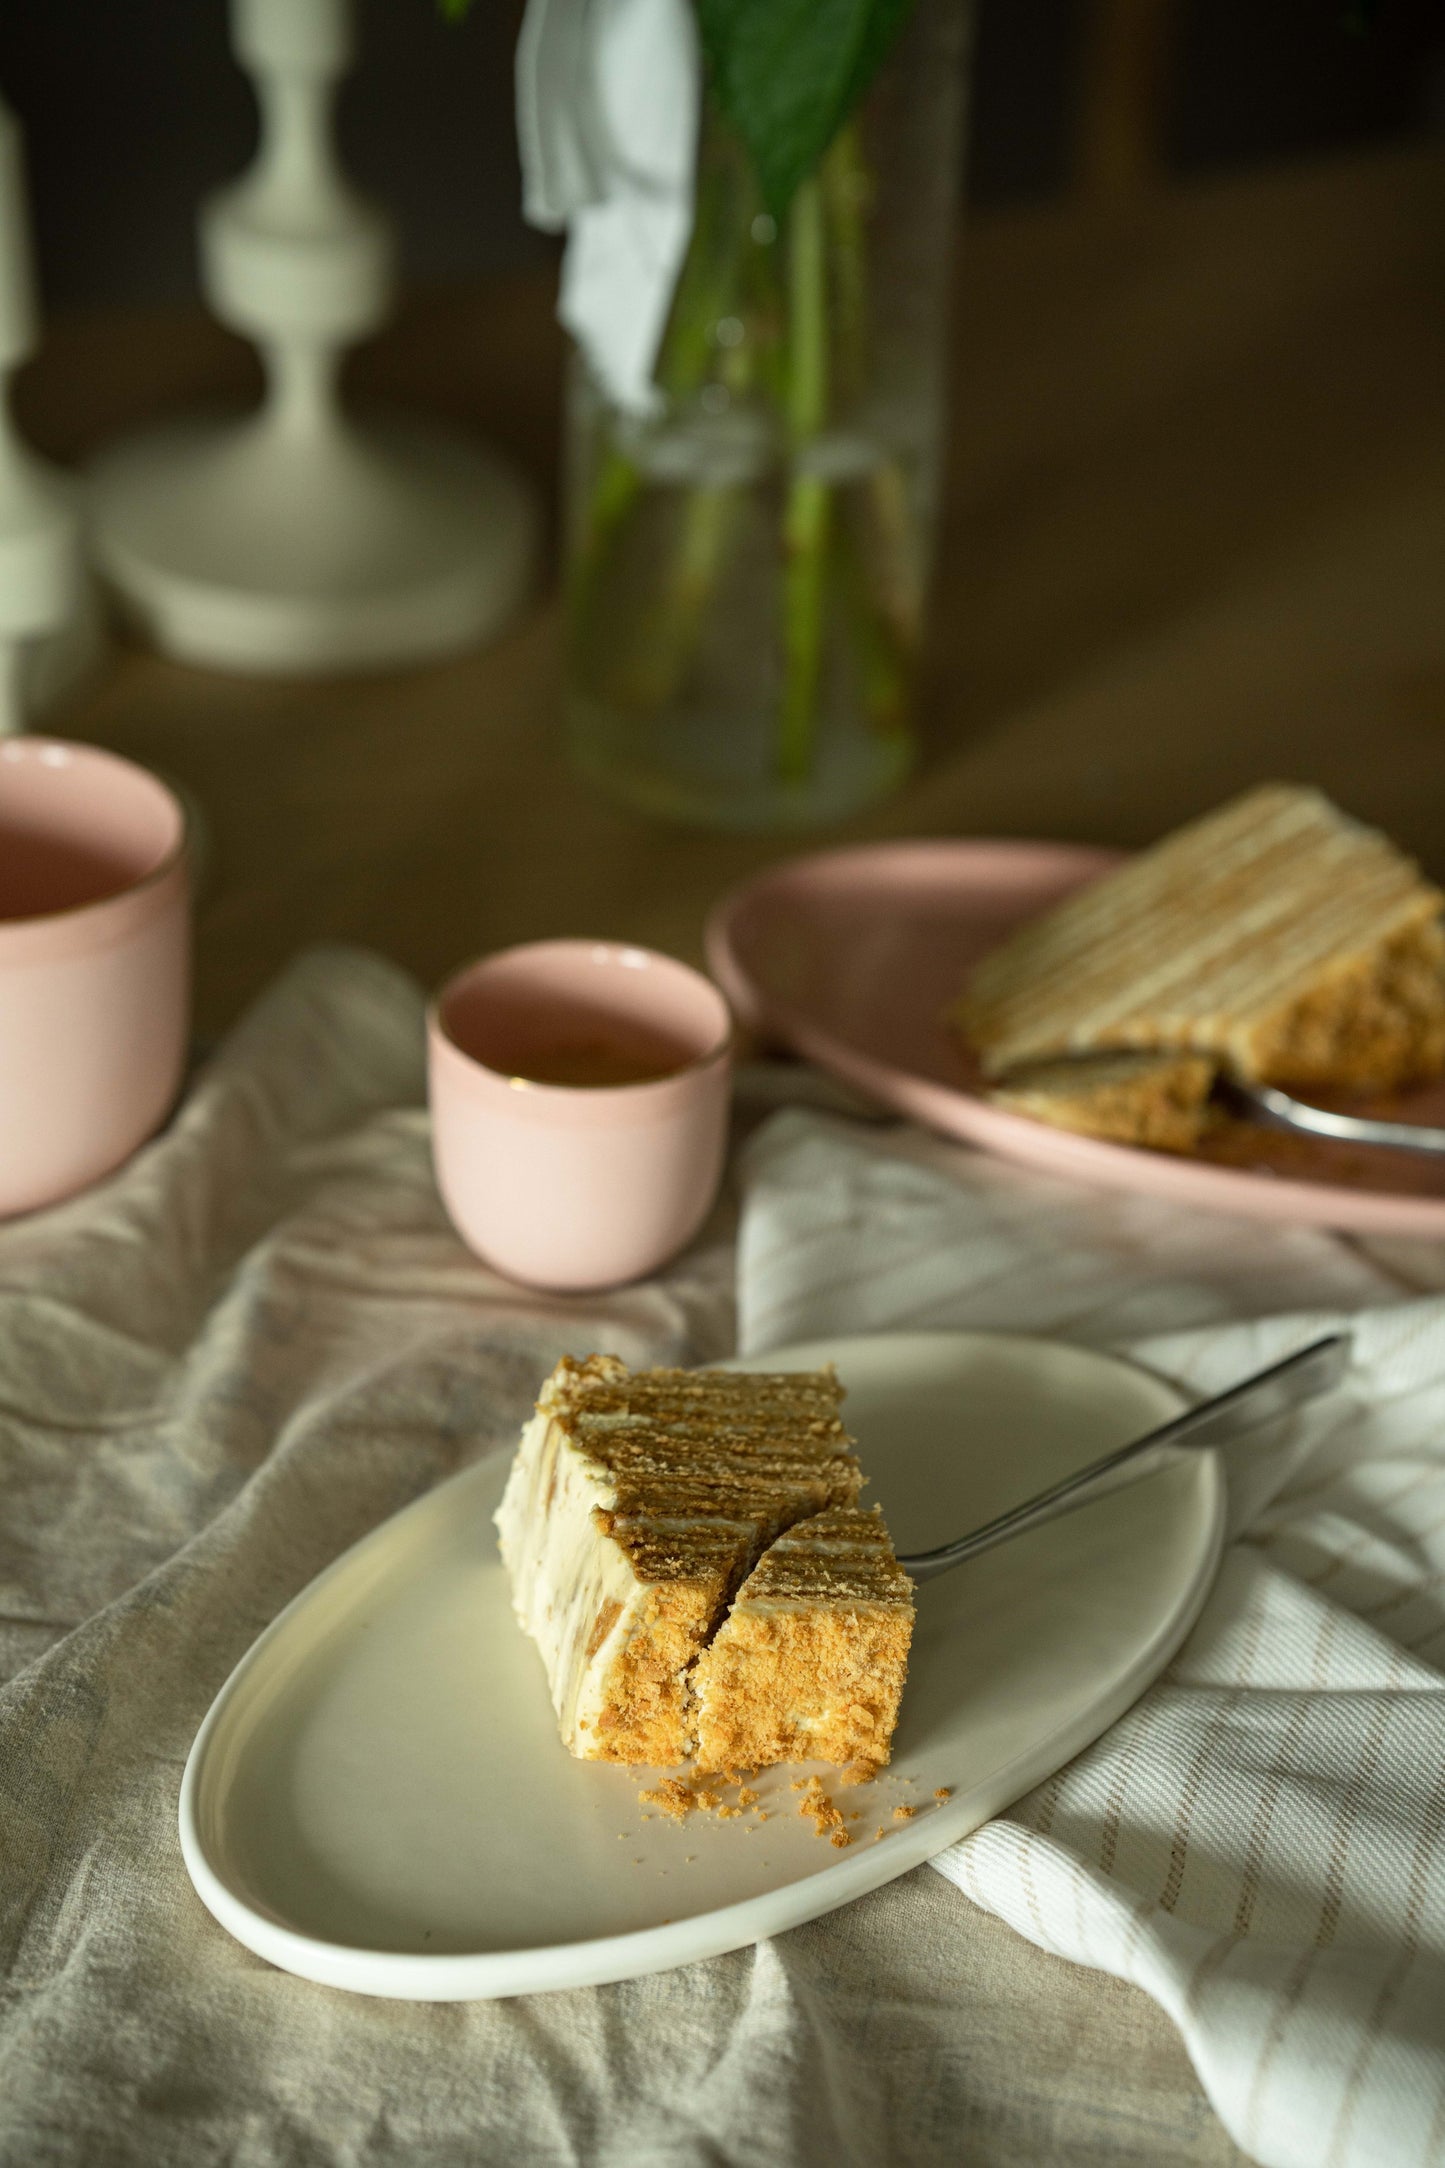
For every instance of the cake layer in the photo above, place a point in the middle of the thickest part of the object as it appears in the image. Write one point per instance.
(1276, 935)
(810, 1661)
(636, 1504)
(1161, 1100)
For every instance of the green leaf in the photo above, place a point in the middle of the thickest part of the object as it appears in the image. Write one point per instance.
(787, 73)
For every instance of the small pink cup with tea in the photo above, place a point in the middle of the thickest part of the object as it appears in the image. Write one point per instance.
(579, 1101)
(94, 965)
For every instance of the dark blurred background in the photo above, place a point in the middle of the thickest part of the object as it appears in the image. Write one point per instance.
(134, 108)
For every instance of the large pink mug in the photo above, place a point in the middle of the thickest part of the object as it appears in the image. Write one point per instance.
(579, 1101)
(94, 964)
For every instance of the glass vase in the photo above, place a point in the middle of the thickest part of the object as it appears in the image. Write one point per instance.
(746, 567)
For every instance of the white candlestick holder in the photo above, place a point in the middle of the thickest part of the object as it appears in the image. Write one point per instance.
(49, 622)
(302, 538)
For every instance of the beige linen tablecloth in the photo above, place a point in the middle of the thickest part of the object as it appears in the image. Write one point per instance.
(228, 1363)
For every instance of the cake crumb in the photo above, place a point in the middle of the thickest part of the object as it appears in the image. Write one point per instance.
(879, 1835)
(728, 1814)
(904, 1814)
(857, 1772)
(840, 1837)
(819, 1809)
(708, 1799)
(674, 1799)
(945, 1791)
(747, 1798)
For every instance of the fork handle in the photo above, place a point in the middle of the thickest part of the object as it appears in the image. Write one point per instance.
(1254, 1401)
(1312, 1121)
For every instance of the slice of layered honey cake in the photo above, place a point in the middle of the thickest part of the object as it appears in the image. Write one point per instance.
(638, 1504)
(1276, 938)
(810, 1661)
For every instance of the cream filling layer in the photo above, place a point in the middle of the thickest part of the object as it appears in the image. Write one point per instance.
(563, 1570)
(566, 1574)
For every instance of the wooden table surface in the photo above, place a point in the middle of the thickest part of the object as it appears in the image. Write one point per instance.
(1193, 535)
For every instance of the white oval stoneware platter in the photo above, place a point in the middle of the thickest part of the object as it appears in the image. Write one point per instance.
(378, 1798)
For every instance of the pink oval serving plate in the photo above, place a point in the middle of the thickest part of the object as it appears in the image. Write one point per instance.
(849, 958)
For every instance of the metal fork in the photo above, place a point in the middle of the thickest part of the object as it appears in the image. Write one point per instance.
(1254, 1401)
(1280, 1109)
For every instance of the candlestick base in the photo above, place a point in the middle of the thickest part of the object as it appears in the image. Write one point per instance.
(258, 547)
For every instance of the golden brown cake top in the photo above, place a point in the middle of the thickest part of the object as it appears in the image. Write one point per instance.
(841, 1557)
(1222, 924)
(694, 1457)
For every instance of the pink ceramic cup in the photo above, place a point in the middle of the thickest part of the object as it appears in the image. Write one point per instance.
(572, 1184)
(94, 965)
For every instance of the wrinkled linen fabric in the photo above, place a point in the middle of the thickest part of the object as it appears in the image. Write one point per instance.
(223, 1366)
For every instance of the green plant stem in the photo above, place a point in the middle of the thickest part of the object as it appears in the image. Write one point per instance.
(892, 552)
(708, 284)
(847, 190)
(885, 663)
(668, 631)
(807, 514)
(886, 544)
(638, 654)
(615, 489)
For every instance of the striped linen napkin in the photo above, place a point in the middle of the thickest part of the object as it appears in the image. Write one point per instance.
(1260, 1843)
